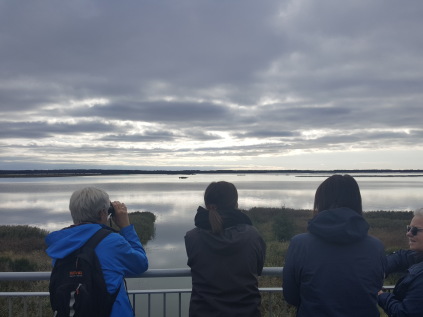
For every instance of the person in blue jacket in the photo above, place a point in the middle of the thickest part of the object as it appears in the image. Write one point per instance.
(336, 269)
(407, 297)
(120, 255)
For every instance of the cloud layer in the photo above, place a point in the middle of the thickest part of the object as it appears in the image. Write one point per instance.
(211, 84)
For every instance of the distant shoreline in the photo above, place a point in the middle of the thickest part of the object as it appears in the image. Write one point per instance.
(102, 172)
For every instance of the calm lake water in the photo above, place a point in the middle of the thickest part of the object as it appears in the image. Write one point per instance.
(43, 202)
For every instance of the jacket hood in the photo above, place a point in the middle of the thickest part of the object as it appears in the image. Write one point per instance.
(235, 230)
(230, 218)
(230, 241)
(339, 225)
(63, 242)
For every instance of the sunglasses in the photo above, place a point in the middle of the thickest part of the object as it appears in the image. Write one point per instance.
(414, 230)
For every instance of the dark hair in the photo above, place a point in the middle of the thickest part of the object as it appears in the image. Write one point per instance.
(338, 191)
(217, 197)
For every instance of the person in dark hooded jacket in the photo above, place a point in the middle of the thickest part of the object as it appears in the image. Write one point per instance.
(336, 269)
(226, 254)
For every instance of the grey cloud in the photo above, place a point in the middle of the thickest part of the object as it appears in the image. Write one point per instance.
(162, 136)
(361, 140)
(21, 99)
(38, 130)
(304, 117)
(139, 138)
(158, 111)
(132, 40)
(258, 133)
(199, 135)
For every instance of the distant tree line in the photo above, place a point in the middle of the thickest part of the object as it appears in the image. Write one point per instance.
(93, 172)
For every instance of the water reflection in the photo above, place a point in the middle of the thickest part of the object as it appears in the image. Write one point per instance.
(43, 202)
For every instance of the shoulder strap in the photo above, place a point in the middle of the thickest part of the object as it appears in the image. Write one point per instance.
(96, 238)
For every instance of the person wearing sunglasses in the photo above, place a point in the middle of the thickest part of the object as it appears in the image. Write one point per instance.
(407, 296)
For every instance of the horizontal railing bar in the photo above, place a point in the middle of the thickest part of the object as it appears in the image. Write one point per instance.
(154, 291)
(24, 276)
(151, 291)
(153, 273)
(23, 294)
(188, 290)
(131, 292)
(185, 272)
(166, 273)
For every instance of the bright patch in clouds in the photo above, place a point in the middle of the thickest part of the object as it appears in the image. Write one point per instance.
(89, 102)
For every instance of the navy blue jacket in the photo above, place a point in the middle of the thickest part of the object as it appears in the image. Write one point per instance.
(120, 255)
(407, 298)
(336, 269)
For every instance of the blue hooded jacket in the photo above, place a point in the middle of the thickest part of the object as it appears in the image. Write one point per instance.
(120, 255)
(336, 269)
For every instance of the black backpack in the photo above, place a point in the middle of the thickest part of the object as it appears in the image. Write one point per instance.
(77, 287)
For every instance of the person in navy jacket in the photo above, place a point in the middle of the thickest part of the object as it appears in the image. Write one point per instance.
(120, 254)
(336, 269)
(407, 297)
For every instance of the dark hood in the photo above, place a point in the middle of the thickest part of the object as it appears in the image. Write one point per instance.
(339, 225)
(230, 218)
(236, 225)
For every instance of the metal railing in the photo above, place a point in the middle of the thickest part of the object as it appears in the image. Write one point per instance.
(151, 302)
(40, 276)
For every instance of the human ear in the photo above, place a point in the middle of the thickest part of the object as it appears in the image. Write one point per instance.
(102, 214)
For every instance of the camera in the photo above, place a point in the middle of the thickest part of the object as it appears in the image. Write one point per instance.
(111, 210)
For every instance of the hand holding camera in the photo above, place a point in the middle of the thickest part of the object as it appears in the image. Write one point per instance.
(119, 213)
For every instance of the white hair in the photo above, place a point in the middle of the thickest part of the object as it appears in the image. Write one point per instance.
(418, 212)
(86, 203)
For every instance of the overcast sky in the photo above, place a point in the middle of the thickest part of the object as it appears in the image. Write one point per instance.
(211, 84)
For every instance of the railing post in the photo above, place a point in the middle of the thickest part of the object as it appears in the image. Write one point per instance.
(133, 302)
(25, 307)
(149, 305)
(180, 304)
(271, 303)
(9, 300)
(164, 304)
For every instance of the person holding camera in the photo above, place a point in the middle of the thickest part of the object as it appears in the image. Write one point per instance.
(120, 254)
